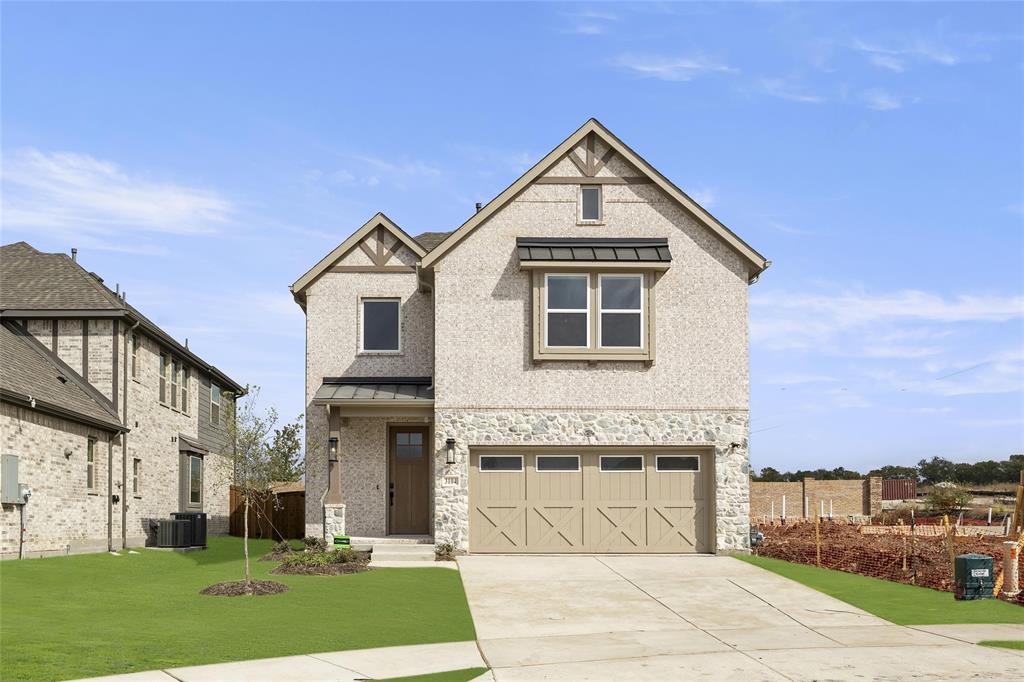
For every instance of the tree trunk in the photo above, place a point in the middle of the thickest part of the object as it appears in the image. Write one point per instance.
(245, 542)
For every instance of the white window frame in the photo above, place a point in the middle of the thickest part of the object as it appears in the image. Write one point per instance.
(135, 356)
(556, 471)
(657, 465)
(601, 277)
(602, 470)
(600, 205)
(362, 325)
(186, 391)
(548, 309)
(175, 393)
(90, 463)
(136, 477)
(481, 469)
(163, 383)
(216, 403)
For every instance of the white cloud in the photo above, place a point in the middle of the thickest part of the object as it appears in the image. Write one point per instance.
(705, 196)
(677, 69)
(783, 89)
(888, 61)
(88, 198)
(880, 100)
(586, 30)
(794, 378)
(894, 56)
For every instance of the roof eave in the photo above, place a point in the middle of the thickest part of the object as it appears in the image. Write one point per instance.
(58, 411)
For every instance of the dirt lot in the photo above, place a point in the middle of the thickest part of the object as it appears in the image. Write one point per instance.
(912, 559)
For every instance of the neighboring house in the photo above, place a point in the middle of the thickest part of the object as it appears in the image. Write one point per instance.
(107, 419)
(565, 372)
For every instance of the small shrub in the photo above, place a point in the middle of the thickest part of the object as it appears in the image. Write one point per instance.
(892, 517)
(948, 498)
(314, 544)
(282, 547)
(444, 551)
(341, 556)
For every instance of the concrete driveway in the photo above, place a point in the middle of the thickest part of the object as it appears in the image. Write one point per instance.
(661, 618)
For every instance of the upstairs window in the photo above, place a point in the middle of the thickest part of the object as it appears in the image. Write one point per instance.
(184, 389)
(593, 316)
(174, 383)
(590, 203)
(380, 325)
(214, 404)
(567, 311)
(135, 356)
(163, 377)
(621, 315)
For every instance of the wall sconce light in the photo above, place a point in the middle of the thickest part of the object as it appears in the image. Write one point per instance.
(449, 446)
(332, 449)
(68, 452)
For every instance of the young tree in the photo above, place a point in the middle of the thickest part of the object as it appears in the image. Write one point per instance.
(286, 450)
(260, 447)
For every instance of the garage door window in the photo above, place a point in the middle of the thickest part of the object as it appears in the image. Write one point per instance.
(558, 463)
(678, 463)
(501, 463)
(618, 463)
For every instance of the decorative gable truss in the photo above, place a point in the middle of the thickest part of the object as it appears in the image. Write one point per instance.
(591, 166)
(378, 246)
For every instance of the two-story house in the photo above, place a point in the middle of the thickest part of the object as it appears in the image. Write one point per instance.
(565, 372)
(106, 418)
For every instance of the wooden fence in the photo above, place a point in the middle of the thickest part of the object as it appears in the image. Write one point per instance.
(899, 489)
(283, 516)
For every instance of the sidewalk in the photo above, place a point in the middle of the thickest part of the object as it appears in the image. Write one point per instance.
(338, 666)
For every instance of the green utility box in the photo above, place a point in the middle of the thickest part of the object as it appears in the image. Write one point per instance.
(342, 542)
(972, 577)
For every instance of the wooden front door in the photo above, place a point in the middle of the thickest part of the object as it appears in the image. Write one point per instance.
(408, 481)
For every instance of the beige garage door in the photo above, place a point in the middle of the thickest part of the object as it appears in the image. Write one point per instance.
(590, 501)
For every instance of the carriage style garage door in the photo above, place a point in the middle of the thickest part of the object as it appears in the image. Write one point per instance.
(600, 501)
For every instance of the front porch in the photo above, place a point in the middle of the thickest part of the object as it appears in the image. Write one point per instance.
(380, 474)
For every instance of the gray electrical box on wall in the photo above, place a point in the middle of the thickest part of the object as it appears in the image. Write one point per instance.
(9, 480)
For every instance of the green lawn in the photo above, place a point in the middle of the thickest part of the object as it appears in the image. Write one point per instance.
(98, 614)
(1003, 644)
(463, 675)
(895, 602)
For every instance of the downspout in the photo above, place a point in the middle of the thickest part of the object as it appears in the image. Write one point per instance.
(124, 437)
(110, 492)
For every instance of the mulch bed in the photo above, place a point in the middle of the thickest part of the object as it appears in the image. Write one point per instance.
(238, 588)
(329, 569)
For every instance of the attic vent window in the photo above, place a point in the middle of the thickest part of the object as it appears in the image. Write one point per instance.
(62, 379)
(590, 203)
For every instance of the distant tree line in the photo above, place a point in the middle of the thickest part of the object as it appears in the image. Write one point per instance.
(935, 470)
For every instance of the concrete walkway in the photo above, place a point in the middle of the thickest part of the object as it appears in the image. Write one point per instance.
(339, 666)
(656, 618)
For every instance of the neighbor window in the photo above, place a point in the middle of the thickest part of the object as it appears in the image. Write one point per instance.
(380, 325)
(590, 203)
(136, 476)
(501, 463)
(214, 404)
(184, 389)
(163, 377)
(135, 356)
(175, 368)
(621, 303)
(567, 311)
(558, 463)
(615, 463)
(90, 464)
(677, 463)
(593, 316)
(195, 480)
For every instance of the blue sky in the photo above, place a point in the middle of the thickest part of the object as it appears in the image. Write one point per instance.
(206, 155)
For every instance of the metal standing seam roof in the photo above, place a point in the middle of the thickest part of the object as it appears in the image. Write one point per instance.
(383, 389)
(604, 250)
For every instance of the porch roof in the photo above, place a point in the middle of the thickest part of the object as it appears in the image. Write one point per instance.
(593, 250)
(376, 391)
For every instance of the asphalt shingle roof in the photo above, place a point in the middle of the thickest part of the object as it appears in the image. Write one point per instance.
(29, 372)
(429, 240)
(33, 280)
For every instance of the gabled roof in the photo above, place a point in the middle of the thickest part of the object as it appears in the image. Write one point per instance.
(428, 240)
(378, 221)
(34, 377)
(38, 284)
(33, 280)
(757, 262)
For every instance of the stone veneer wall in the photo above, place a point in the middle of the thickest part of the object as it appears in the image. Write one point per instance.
(590, 428)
